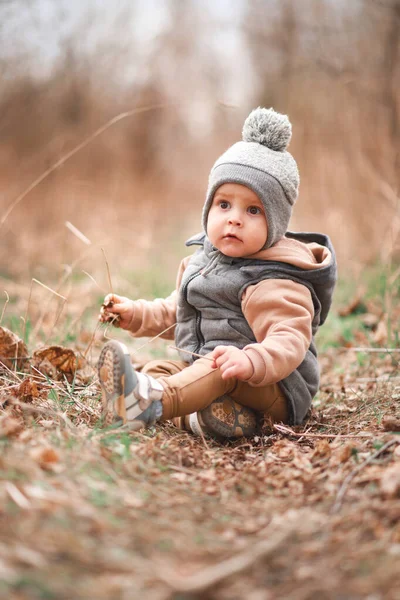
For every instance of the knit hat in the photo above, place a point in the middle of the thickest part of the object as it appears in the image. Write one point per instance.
(261, 163)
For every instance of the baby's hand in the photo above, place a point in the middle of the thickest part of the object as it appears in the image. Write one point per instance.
(117, 310)
(232, 362)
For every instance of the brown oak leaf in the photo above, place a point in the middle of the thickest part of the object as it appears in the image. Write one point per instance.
(57, 361)
(13, 350)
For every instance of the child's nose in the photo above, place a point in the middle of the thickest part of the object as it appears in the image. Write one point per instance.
(235, 219)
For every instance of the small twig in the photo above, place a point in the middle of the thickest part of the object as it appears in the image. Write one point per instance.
(287, 430)
(192, 353)
(4, 307)
(380, 379)
(343, 488)
(108, 272)
(304, 434)
(381, 350)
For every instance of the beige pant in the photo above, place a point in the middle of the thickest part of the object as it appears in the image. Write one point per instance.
(189, 388)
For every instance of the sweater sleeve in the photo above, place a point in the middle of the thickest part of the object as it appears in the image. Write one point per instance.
(152, 317)
(280, 313)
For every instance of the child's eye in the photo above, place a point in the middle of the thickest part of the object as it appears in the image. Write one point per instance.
(254, 210)
(224, 204)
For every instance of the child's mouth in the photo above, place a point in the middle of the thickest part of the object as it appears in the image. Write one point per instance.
(232, 236)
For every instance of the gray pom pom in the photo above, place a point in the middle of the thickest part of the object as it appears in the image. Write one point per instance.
(267, 127)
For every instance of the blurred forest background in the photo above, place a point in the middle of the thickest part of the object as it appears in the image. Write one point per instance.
(137, 189)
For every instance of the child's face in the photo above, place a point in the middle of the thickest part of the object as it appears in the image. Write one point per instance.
(236, 223)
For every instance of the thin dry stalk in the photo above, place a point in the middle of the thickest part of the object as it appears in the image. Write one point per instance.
(288, 431)
(108, 272)
(14, 375)
(61, 282)
(40, 320)
(27, 311)
(56, 321)
(49, 289)
(98, 324)
(390, 350)
(155, 337)
(74, 151)
(77, 233)
(94, 281)
(4, 307)
(343, 488)
(107, 337)
(192, 353)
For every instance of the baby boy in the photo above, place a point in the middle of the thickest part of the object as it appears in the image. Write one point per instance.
(245, 310)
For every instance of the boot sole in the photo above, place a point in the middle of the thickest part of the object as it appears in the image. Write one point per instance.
(228, 419)
(111, 369)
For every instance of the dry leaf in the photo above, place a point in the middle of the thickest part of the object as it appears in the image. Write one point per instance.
(27, 391)
(341, 454)
(9, 426)
(46, 457)
(56, 361)
(370, 320)
(13, 351)
(322, 450)
(284, 449)
(356, 305)
(390, 423)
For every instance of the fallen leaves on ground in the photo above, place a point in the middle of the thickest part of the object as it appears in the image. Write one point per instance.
(13, 351)
(300, 513)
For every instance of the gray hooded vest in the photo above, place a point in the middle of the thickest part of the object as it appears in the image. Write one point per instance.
(209, 308)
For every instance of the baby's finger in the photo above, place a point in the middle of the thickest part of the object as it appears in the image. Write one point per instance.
(228, 372)
(222, 360)
(218, 351)
(116, 308)
(109, 299)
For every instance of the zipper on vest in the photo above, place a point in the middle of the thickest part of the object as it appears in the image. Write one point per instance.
(199, 335)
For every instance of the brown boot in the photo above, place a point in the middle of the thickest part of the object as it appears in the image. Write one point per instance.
(225, 418)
